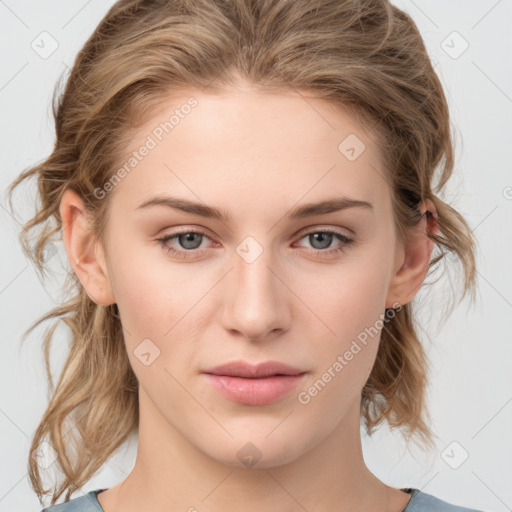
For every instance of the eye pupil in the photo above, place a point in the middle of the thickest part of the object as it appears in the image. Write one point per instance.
(325, 239)
(189, 240)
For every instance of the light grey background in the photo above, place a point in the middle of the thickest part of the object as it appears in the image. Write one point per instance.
(470, 393)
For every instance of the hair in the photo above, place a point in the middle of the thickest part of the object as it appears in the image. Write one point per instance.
(364, 56)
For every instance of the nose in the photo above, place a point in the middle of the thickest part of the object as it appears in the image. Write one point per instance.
(257, 300)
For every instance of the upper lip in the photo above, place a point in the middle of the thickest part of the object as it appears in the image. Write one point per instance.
(247, 370)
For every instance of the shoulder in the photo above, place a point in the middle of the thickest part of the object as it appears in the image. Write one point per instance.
(423, 502)
(87, 503)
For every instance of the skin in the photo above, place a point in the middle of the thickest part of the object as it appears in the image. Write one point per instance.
(256, 156)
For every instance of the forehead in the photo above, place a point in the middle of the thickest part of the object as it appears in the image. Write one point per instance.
(278, 147)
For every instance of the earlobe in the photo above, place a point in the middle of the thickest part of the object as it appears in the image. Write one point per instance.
(416, 255)
(82, 249)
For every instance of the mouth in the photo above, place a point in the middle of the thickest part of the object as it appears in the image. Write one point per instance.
(247, 384)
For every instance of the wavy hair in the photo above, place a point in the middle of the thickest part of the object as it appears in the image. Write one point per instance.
(364, 56)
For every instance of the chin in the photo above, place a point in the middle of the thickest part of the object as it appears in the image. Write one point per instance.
(256, 451)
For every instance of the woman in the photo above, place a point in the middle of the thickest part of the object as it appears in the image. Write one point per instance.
(247, 194)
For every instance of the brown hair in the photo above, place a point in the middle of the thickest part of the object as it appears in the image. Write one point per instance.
(365, 56)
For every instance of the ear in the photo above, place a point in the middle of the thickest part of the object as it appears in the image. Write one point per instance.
(85, 253)
(413, 259)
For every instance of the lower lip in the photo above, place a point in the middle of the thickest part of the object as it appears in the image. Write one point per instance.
(254, 391)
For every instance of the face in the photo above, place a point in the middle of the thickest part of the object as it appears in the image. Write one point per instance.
(253, 273)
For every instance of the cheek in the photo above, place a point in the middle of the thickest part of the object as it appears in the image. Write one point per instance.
(350, 301)
(353, 309)
(149, 291)
(159, 302)
(142, 298)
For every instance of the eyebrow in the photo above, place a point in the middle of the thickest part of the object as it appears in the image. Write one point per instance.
(299, 212)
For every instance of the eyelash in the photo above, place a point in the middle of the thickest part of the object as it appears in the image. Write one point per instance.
(345, 242)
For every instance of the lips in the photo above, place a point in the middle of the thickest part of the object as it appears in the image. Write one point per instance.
(249, 384)
(248, 371)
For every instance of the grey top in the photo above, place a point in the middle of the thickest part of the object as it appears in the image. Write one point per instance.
(419, 502)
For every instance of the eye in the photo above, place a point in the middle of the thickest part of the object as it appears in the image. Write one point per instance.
(190, 240)
(321, 240)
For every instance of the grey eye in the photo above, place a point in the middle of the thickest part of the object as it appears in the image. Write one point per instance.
(187, 241)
